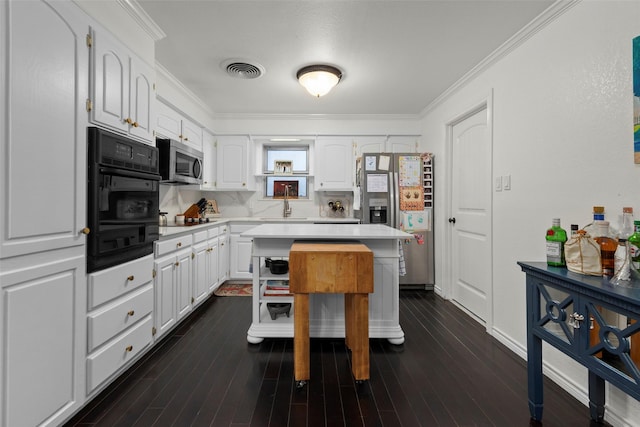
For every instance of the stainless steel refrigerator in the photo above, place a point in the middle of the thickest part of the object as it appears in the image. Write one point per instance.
(396, 189)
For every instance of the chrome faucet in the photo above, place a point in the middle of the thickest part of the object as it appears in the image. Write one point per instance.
(287, 209)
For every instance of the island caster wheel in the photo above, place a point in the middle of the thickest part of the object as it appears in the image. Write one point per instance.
(300, 384)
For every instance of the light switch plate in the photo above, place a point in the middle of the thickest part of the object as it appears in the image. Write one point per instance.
(499, 183)
(506, 182)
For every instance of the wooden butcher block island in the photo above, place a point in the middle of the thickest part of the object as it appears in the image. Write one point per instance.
(326, 310)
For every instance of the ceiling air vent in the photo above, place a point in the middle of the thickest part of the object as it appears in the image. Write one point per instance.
(243, 70)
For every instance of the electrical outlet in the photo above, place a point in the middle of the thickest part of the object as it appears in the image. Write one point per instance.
(506, 182)
(499, 183)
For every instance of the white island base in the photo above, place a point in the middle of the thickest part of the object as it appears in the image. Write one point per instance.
(326, 311)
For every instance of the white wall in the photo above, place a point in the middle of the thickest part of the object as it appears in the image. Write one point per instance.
(562, 128)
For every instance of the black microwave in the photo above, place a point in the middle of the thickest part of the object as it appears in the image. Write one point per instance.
(179, 163)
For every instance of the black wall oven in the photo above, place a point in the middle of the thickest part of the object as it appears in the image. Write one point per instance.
(123, 199)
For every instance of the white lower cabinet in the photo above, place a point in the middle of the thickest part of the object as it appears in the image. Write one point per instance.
(119, 319)
(201, 275)
(223, 254)
(172, 282)
(213, 259)
(43, 337)
(184, 296)
(240, 262)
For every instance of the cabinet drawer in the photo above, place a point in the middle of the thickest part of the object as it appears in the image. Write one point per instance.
(200, 236)
(108, 284)
(107, 361)
(109, 321)
(213, 232)
(167, 246)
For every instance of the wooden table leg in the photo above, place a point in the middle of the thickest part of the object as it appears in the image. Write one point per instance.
(301, 337)
(357, 324)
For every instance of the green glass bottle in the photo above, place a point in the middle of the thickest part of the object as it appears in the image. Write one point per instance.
(634, 246)
(556, 238)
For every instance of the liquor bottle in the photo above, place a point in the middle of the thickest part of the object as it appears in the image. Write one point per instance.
(634, 246)
(556, 237)
(598, 215)
(626, 227)
(574, 229)
(608, 246)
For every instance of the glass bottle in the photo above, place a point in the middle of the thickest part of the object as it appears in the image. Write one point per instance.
(598, 215)
(608, 246)
(574, 229)
(634, 246)
(556, 238)
(621, 262)
(627, 226)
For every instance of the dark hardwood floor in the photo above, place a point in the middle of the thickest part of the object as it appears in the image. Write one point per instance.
(449, 372)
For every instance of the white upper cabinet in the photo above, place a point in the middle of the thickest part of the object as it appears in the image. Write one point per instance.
(384, 144)
(173, 125)
(123, 87)
(402, 144)
(370, 144)
(235, 163)
(42, 117)
(209, 162)
(334, 164)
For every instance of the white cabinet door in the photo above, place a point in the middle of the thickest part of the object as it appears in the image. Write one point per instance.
(240, 257)
(43, 120)
(234, 163)
(184, 297)
(165, 295)
(334, 164)
(213, 273)
(209, 161)
(373, 144)
(123, 88)
(402, 144)
(223, 258)
(200, 268)
(191, 134)
(110, 81)
(168, 122)
(43, 331)
(141, 99)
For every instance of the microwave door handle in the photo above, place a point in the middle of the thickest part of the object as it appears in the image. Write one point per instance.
(129, 174)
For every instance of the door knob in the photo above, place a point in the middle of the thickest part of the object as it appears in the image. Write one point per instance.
(452, 220)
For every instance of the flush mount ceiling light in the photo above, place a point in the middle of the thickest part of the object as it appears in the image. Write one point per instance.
(318, 80)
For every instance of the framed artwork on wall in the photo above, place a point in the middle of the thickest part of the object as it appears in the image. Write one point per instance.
(283, 167)
(278, 189)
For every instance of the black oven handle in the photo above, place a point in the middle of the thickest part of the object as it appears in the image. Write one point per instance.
(129, 174)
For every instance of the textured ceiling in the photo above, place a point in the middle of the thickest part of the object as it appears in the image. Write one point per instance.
(396, 56)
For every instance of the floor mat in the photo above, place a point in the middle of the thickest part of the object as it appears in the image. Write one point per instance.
(234, 290)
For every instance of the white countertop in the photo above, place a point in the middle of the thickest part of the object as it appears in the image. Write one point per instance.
(173, 230)
(326, 231)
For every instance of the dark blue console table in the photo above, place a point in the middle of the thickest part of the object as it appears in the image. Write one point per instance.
(590, 320)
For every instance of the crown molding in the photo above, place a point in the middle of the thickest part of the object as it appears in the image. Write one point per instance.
(133, 8)
(318, 117)
(178, 85)
(537, 24)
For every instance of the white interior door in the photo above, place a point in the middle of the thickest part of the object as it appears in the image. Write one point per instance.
(470, 220)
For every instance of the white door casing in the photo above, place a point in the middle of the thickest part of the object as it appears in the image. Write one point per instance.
(471, 233)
